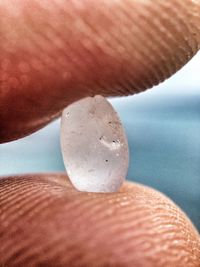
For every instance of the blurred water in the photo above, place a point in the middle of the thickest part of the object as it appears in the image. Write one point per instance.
(164, 141)
(163, 128)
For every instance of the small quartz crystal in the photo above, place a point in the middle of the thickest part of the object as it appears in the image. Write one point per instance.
(94, 145)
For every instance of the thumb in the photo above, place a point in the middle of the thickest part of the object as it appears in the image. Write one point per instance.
(53, 53)
(44, 221)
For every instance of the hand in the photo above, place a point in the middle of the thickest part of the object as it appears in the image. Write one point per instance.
(53, 53)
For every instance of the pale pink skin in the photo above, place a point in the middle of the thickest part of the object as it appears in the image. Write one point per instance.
(52, 54)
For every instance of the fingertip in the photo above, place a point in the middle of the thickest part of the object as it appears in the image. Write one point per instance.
(51, 223)
(110, 48)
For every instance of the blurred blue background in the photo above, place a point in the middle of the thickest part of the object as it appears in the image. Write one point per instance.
(163, 129)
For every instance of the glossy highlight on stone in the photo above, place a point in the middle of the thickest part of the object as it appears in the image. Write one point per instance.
(94, 145)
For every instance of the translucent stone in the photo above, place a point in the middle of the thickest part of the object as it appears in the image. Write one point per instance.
(94, 145)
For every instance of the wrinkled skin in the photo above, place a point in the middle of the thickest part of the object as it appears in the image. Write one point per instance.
(51, 54)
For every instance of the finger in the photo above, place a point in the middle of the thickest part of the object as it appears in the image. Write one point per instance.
(53, 53)
(45, 222)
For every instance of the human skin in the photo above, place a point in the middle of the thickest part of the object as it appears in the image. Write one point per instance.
(51, 54)
(55, 52)
(46, 222)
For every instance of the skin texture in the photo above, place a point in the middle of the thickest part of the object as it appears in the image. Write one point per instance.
(55, 52)
(135, 227)
(51, 54)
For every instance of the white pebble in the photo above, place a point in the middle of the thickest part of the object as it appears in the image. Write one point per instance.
(94, 145)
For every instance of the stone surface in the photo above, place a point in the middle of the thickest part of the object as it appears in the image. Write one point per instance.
(94, 145)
